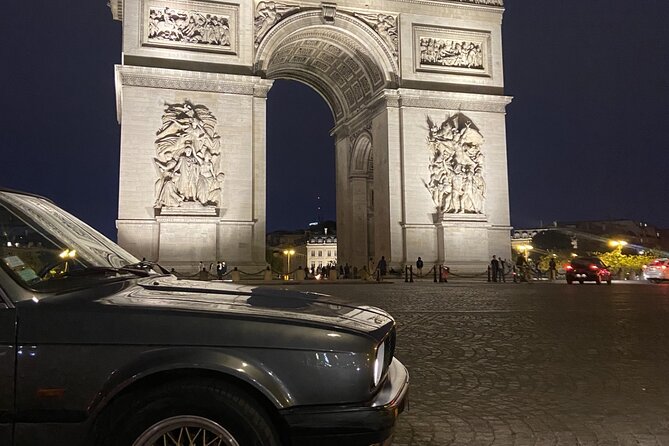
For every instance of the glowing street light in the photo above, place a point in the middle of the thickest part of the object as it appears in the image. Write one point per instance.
(525, 249)
(288, 253)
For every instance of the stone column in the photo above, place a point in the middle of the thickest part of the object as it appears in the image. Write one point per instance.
(344, 205)
(358, 232)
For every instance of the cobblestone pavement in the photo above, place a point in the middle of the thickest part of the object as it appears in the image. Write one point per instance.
(529, 364)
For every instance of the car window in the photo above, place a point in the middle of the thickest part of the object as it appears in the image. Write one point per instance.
(40, 243)
(24, 251)
(580, 263)
(585, 262)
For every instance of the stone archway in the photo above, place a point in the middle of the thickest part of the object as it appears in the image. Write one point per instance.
(416, 92)
(350, 67)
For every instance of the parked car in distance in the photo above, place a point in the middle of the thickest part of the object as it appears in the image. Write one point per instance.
(100, 349)
(583, 269)
(656, 271)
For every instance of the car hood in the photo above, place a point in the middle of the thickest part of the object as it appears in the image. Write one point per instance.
(160, 310)
(170, 294)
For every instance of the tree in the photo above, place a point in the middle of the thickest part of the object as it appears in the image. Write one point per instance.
(552, 240)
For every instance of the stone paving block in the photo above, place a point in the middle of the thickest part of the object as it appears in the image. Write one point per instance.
(513, 365)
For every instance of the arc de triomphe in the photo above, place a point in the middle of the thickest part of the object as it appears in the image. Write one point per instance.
(416, 91)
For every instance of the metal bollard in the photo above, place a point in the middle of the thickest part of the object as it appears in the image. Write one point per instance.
(411, 273)
(489, 274)
(434, 268)
(406, 274)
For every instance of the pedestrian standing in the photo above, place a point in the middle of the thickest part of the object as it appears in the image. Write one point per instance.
(382, 267)
(552, 269)
(494, 267)
(502, 270)
(419, 267)
(219, 270)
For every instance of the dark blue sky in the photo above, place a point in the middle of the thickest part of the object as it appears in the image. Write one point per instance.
(586, 131)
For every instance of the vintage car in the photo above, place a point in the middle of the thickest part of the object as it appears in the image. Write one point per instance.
(98, 348)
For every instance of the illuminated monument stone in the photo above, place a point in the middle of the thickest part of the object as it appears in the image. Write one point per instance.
(416, 91)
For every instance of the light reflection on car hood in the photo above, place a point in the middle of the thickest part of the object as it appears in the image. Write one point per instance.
(168, 293)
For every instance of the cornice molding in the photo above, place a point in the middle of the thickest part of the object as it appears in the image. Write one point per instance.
(191, 80)
(453, 101)
(116, 7)
(496, 5)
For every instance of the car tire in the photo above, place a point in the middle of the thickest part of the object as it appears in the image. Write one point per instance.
(598, 280)
(570, 281)
(608, 281)
(581, 282)
(205, 407)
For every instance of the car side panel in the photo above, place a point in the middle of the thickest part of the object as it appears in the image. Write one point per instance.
(7, 361)
(40, 434)
(68, 383)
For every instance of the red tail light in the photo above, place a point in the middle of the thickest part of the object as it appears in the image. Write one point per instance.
(593, 267)
(568, 267)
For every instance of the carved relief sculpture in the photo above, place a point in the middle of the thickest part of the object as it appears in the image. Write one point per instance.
(385, 25)
(456, 166)
(188, 157)
(182, 26)
(268, 14)
(451, 53)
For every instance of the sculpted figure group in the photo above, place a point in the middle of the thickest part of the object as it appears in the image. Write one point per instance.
(456, 166)
(268, 14)
(385, 25)
(188, 26)
(451, 53)
(188, 157)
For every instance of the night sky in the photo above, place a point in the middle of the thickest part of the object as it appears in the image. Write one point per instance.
(587, 130)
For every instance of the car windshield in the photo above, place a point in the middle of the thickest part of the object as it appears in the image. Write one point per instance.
(585, 262)
(45, 249)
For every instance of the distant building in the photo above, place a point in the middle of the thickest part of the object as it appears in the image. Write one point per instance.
(594, 235)
(664, 239)
(321, 251)
(635, 233)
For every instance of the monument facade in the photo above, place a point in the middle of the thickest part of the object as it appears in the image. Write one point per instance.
(416, 89)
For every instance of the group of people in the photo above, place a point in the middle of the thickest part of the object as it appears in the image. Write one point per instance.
(221, 270)
(522, 269)
(498, 269)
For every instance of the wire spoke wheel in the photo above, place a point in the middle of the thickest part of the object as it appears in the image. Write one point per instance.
(186, 431)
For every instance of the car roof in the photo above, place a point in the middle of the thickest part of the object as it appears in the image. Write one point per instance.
(20, 192)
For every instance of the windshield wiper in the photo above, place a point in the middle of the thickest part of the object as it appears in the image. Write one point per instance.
(146, 265)
(93, 270)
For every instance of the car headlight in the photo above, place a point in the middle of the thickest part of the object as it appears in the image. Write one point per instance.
(379, 362)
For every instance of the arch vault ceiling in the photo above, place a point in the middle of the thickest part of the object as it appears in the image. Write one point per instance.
(336, 65)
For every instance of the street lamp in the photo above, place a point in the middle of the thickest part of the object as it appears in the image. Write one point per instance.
(618, 244)
(525, 249)
(288, 253)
